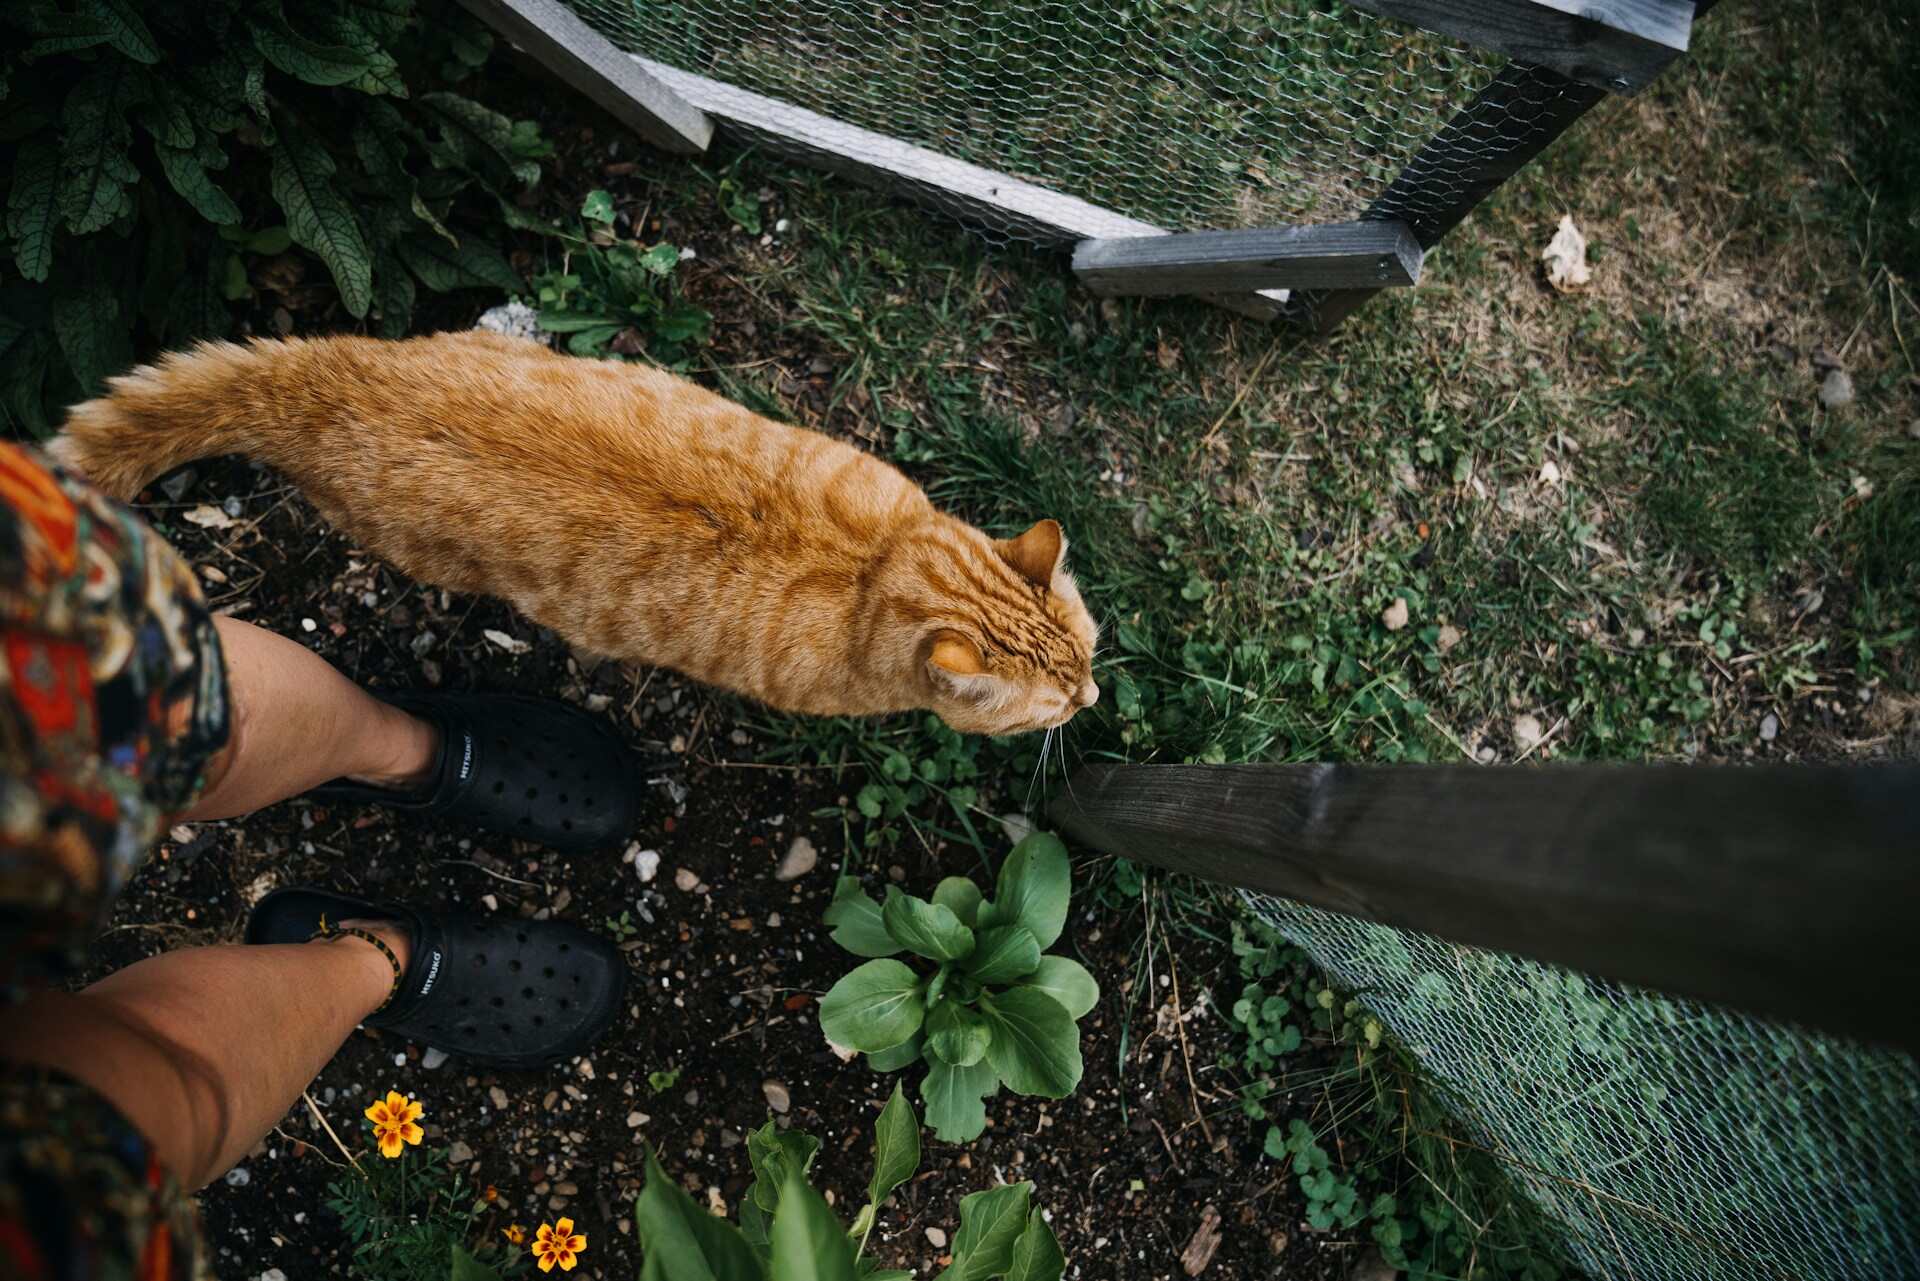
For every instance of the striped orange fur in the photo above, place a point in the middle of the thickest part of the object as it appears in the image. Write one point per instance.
(636, 514)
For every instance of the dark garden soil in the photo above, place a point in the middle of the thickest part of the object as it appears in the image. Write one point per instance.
(725, 974)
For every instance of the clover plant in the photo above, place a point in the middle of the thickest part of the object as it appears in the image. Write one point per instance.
(786, 1229)
(974, 995)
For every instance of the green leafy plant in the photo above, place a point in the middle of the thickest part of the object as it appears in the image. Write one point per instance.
(153, 154)
(787, 1230)
(613, 295)
(662, 1081)
(985, 1007)
(416, 1217)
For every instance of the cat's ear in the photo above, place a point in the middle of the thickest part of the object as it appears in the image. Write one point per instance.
(1035, 555)
(955, 663)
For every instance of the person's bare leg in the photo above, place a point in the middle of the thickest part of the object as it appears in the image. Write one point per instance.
(205, 1049)
(298, 723)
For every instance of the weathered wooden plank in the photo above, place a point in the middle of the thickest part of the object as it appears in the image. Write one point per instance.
(1519, 114)
(1616, 45)
(996, 199)
(1328, 256)
(583, 58)
(1790, 891)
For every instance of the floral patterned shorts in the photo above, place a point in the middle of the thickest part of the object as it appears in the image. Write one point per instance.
(112, 703)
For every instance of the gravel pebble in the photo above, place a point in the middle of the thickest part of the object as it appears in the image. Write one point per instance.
(936, 1238)
(1836, 389)
(685, 879)
(238, 1177)
(637, 1119)
(647, 863)
(433, 1058)
(777, 1096)
(498, 1097)
(459, 1153)
(801, 858)
(1769, 727)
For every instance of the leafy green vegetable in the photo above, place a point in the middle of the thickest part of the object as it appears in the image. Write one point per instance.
(787, 1232)
(994, 1011)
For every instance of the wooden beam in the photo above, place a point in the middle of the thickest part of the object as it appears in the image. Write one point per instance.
(1791, 891)
(586, 60)
(1326, 256)
(1519, 114)
(987, 196)
(1616, 45)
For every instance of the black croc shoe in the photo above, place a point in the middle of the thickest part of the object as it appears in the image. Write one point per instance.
(526, 767)
(507, 994)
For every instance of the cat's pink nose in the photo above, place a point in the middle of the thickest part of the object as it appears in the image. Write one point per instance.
(1089, 695)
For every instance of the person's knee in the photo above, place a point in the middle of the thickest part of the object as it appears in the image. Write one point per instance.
(171, 1094)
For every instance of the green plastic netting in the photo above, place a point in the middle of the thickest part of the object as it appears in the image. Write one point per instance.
(1180, 113)
(1670, 1140)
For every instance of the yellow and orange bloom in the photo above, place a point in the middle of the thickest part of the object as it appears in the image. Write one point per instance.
(558, 1244)
(394, 1125)
(491, 1195)
(514, 1233)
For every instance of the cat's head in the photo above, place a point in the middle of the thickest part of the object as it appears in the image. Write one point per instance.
(1008, 646)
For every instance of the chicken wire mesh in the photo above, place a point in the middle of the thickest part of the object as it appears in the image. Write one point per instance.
(1667, 1138)
(1184, 114)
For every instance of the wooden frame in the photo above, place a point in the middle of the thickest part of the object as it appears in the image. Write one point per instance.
(1791, 891)
(1377, 254)
(1617, 45)
(559, 41)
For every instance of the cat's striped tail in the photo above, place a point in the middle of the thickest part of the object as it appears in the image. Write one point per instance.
(192, 404)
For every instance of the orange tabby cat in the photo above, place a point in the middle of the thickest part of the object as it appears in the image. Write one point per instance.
(636, 514)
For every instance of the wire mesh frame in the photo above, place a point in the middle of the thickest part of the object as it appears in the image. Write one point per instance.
(1163, 115)
(1667, 1138)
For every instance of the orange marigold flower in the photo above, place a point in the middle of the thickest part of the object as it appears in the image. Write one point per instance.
(514, 1233)
(393, 1123)
(558, 1243)
(491, 1195)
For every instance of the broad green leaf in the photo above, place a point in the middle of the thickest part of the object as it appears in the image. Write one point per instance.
(875, 1007)
(690, 1244)
(925, 929)
(1033, 889)
(319, 218)
(1035, 1047)
(165, 116)
(1004, 953)
(383, 73)
(572, 322)
(464, 1267)
(314, 61)
(1037, 1255)
(772, 1151)
(471, 264)
(809, 1244)
(990, 1223)
(1066, 981)
(661, 259)
(64, 33)
(896, 1147)
(33, 205)
(93, 338)
(479, 139)
(96, 170)
(862, 1224)
(855, 917)
(956, 1035)
(961, 897)
(955, 1099)
(393, 296)
(905, 1054)
(126, 30)
(425, 214)
(597, 207)
(186, 169)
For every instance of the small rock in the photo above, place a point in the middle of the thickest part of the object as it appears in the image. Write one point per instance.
(490, 902)
(233, 508)
(1373, 1266)
(1913, 429)
(1203, 1244)
(1395, 615)
(1527, 733)
(273, 1274)
(563, 900)
(777, 1097)
(800, 859)
(1836, 389)
(176, 485)
(897, 874)
(423, 644)
(1448, 638)
(1018, 827)
(936, 1238)
(433, 1058)
(514, 319)
(773, 920)
(1769, 727)
(498, 1097)
(646, 863)
(685, 880)
(1550, 473)
(637, 1119)
(238, 1177)
(738, 738)
(585, 1069)
(308, 625)
(459, 1153)
(512, 644)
